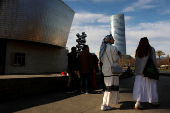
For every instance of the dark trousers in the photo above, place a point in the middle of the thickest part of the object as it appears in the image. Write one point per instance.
(72, 85)
(102, 78)
(86, 81)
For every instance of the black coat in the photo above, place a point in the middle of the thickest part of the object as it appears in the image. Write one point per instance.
(72, 61)
(96, 60)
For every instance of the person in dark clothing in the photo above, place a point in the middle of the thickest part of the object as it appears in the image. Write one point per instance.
(96, 60)
(129, 70)
(72, 70)
(102, 77)
(86, 68)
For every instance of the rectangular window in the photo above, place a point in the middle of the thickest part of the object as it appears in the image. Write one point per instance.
(18, 59)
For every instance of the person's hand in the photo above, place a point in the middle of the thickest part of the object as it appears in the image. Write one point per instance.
(75, 72)
(119, 53)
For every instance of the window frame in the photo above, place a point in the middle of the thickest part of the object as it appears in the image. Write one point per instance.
(18, 59)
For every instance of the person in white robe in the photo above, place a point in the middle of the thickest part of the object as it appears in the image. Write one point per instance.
(145, 88)
(109, 55)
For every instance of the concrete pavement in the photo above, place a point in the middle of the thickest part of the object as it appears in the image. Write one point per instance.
(61, 102)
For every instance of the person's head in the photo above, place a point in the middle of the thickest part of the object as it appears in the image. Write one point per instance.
(108, 39)
(112, 39)
(85, 48)
(73, 49)
(143, 48)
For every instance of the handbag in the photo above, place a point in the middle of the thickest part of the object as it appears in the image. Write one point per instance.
(150, 70)
(114, 69)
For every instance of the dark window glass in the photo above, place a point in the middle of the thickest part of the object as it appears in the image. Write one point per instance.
(15, 60)
(19, 59)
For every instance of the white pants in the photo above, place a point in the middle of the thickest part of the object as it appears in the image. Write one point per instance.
(145, 89)
(111, 96)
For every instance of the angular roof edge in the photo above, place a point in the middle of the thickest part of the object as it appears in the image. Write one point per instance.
(66, 5)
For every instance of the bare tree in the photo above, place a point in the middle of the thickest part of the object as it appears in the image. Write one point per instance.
(159, 53)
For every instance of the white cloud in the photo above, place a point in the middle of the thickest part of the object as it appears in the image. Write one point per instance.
(104, 0)
(95, 34)
(140, 4)
(167, 11)
(148, 6)
(157, 32)
(95, 0)
(87, 17)
(128, 9)
(127, 18)
(83, 22)
(73, 0)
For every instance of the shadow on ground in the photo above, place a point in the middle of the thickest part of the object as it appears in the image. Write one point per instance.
(129, 105)
(26, 102)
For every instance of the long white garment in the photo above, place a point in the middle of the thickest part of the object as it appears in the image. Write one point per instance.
(109, 79)
(111, 96)
(145, 89)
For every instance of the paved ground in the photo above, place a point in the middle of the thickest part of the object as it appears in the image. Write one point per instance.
(164, 72)
(82, 103)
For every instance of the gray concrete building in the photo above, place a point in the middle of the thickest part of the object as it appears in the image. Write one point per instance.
(33, 36)
(117, 29)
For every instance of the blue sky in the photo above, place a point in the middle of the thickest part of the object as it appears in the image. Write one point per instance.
(150, 18)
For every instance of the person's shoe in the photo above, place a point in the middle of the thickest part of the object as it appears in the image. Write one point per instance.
(82, 92)
(100, 92)
(140, 107)
(88, 93)
(74, 91)
(104, 107)
(155, 104)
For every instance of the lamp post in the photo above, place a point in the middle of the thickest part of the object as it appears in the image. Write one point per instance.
(81, 41)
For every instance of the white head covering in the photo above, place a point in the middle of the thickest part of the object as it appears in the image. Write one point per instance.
(103, 45)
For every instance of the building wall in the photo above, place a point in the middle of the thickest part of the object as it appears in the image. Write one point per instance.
(117, 29)
(39, 58)
(44, 21)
